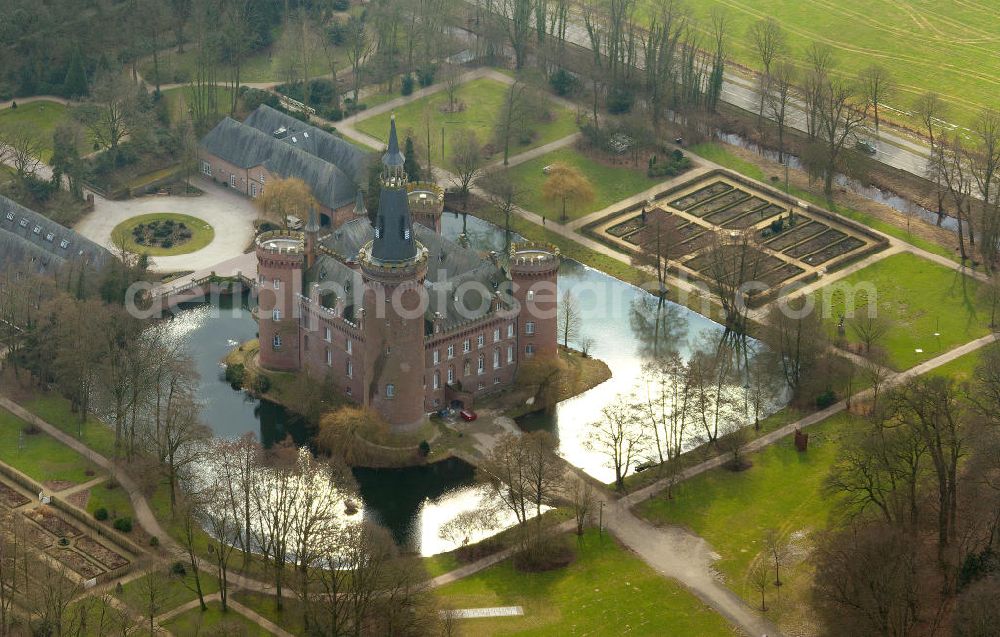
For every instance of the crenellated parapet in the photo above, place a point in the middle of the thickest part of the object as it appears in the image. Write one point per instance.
(528, 258)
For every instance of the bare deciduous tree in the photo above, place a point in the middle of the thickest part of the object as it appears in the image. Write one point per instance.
(619, 436)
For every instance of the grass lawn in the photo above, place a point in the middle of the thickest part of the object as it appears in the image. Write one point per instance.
(606, 591)
(39, 119)
(55, 410)
(716, 152)
(610, 183)
(170, 591)
(202, 233)
(214, 621)
(483, 99)
(115, 501)
(962, 368)
(943, 46)
(178, 100)
(783, 490)
(289, 618)
(39, 455)
(918, 298)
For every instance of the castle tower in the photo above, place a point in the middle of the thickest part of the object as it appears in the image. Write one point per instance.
(393, 266)
(279, 275)
(534, 272)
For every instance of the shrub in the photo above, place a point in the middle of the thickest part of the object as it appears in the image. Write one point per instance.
(178, 569)
(406, 86)
(154, 541)
(826, 399)
(426, 75)
(101, 514)
(235, 375)
(123, 524)
(263, 384)
(564, 83)
(424, 448)
(620, 101)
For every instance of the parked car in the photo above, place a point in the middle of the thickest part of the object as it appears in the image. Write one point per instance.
(468, 415)
(866, 147)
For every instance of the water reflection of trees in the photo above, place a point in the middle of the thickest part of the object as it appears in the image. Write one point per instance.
(657, 326)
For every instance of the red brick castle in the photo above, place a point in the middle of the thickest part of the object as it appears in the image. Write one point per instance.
(396, 316)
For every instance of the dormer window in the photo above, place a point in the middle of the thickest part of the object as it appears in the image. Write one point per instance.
(10, 216)
(64, 244)
(49, 237)
(37, 230)
(406, 234)
(378, 232)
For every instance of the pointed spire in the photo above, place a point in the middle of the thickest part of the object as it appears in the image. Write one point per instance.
(392, 156)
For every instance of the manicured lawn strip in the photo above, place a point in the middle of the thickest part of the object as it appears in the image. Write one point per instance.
(38, 119)
(38, 455)
(918, 298)
(783, 490)
(170, 590)
(610, 183)
(606, 591)
(115, 501)
(289, 618)
(440, 564)
(202, 233)
(717, 153)
(214, 621)
(962, 368)
(55, 410)
(483, 99)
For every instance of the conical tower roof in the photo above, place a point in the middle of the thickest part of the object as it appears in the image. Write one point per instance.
(392, 156)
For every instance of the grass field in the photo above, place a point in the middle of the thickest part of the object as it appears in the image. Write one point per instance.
(483, 99)
(610, 183)
(947, 46)
(170, 591)
(202, 234)
(39, 455)
(606, 591)
(918, 298)
(214, 622)
(178, 100)
(783, 490)
(39, 119)
(55, 410)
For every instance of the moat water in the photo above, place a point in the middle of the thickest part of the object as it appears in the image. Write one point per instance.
(414, 503)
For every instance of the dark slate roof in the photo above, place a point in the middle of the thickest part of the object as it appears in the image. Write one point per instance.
(350, 159)
(333, 170)
(392, 156)
(393, 227)
(27, 235)
(448, 266)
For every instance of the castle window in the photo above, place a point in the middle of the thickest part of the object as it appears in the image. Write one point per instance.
(437, 356)
(388, 349)
(390, 391)
(496, 380)
(262, 178)
(348, 391)
(206, 168)
(437, 380)
(327, 336)
(531, 295)
(496, 335)
(496, 359)
(276, 341)
(510, 330)
(451, 375)
(467, 370)
(232, 180)
(329, 358)
(481, 386)
(277, 284)
(479, 341)
(253, 189)
(529, 327)
(482, 364)
(466, 346)
(350, 369)
(529, 349)
(510, 354)
(350, 346)
(276, 314)
(305, 341)
(451, 352)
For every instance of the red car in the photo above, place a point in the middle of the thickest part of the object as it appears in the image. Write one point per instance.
(468, 415)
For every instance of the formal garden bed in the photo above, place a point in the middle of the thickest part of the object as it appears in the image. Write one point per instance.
(11, 498)
(164, 233)
(75, 562)
(51, 521)
(100, 553)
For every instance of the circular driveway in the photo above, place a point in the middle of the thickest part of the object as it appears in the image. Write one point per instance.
(228, 212)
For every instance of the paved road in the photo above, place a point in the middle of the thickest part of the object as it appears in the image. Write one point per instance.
(230, 214)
